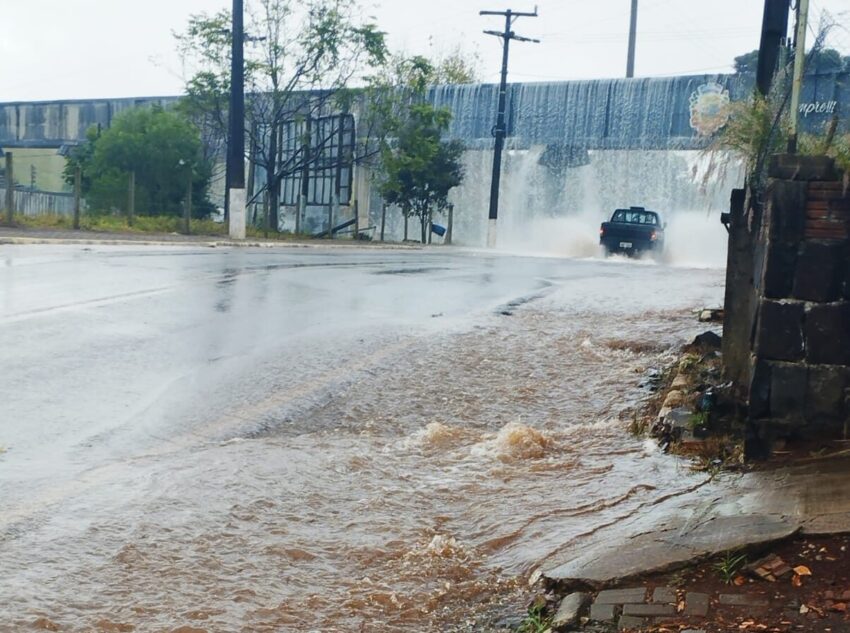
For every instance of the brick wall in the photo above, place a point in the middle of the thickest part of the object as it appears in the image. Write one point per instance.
(799, 382)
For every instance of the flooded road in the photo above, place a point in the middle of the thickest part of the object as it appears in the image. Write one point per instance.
(316, 440)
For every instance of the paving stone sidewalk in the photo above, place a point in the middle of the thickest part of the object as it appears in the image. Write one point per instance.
(638, 608)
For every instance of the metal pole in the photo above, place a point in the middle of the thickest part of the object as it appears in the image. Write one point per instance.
(236, 147)
(10, 189)
(799, 64)
(448, 239)
(78, 178)
(630, 61)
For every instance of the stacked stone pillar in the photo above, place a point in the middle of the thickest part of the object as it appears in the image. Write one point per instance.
(799, 379)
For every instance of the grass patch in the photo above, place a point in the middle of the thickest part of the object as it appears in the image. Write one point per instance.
(536, 621)
(118, 224)
(146, 224)
(729, 565)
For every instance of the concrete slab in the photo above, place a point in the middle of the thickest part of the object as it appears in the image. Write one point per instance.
(730, 512)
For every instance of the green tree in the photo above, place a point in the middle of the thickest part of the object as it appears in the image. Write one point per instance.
(818, 60)
(304, 55)
(747, 63)
(419, 168)
(164, 151)
(456, 67)
(205, 45)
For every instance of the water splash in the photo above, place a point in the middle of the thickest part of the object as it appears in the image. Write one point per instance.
(515, 441)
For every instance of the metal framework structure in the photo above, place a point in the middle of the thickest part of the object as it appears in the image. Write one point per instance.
(320, 155)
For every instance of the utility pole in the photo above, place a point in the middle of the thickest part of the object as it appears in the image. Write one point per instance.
(187, 211)
(236, 146)
(499, 131)
(799, 64)
(774, 29)
(78, 180)
(131, 198)
(630, 60)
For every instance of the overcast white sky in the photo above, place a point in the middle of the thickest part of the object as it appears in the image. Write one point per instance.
(64, 49)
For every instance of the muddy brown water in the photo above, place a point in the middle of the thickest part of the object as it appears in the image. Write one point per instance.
(419, 497)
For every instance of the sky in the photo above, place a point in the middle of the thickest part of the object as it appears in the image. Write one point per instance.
(76, 49)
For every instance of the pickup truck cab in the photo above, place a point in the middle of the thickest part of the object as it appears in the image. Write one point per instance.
(632, 231)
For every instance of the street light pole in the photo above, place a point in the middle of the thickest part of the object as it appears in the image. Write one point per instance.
(236, 147)
(630, 59)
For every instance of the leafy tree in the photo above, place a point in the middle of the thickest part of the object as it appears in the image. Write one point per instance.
(206, 45)
(419, 168)
(303, 56)
(818, 60)
(164, 151)
(456, 67)
(747, 63)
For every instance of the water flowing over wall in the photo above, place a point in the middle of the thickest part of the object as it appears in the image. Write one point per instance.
(575, 150)
(648, 113)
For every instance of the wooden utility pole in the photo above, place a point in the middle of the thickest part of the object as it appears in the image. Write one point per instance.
(78, 185)
(499, 131)
(10, 190)
(404, 212)
(630, 59)
(131, 198)
(448, 239)
(187, 210)
(304, 183)
(331, 214)
(383, 219)
(799, 64)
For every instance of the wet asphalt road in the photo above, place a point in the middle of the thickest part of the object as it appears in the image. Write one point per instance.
(131, 376)
(110, 351)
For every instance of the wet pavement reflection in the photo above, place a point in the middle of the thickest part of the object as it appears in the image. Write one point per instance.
(296, 440)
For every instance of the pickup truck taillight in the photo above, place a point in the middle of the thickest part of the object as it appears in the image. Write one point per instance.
(601, 231)
(653, 236)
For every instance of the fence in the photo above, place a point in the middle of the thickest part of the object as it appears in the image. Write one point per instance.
(41, 202)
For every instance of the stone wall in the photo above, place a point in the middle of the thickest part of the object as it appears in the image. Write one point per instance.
(799, 379)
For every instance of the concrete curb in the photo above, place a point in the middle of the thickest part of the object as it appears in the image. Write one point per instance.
(113, 241)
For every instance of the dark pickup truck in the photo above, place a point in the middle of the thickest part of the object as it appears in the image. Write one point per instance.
(632, 231)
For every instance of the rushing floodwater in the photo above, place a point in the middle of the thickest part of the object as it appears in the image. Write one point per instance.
(415, 493)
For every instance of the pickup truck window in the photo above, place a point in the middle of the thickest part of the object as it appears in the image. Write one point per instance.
(635, 217)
